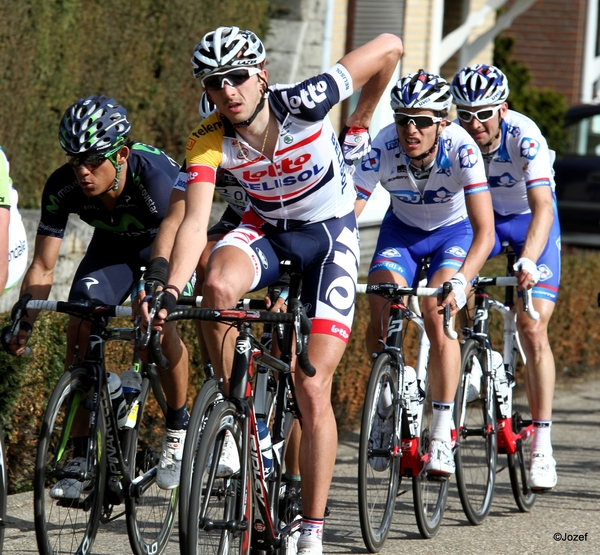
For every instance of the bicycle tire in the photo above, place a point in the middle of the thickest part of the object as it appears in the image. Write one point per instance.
(518, 464)
(429, 496)
(220, 509)
(378, 477)
(151, 515)
(67, 526)
(3, 488)
(209, 394)
(475, 425)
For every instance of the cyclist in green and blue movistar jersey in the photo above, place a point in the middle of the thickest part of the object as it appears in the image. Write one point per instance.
(121, 188)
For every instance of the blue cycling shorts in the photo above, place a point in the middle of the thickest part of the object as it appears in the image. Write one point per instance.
(402, 248)
(513, 229)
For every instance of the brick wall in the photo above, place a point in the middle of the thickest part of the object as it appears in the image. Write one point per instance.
(550, 41)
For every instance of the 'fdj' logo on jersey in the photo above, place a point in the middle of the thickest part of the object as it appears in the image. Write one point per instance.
(371, 161)
(299, 166)
(467, 154)
(437, 197)
(406, 195)
(309, 97)
(504, 180)
(529, 148)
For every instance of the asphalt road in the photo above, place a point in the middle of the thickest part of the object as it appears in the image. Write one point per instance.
(571, 511)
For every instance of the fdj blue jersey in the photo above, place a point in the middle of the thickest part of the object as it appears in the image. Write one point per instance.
(140, 207)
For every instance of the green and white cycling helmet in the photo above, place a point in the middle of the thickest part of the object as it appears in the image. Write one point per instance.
(479, 85)
(93, 125)
(227, 47)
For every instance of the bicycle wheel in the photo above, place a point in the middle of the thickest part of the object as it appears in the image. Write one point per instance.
(475, 424)
(3, 488)
(518, 464)
(150, 510)
(378, 469)
(429, 496)
(220, 508)
(67, 525)
(209, 394)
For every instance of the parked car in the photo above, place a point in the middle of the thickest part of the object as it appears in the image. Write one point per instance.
(578, 177)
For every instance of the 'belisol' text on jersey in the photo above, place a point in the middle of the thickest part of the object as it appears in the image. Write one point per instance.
(292, 186)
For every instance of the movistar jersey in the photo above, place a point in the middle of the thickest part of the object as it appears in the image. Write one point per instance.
(522, 162)
(305, 181)
(140, 207)
(457, 171)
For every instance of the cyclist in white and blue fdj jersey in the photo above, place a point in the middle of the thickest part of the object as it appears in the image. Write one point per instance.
(440, 208)
(519, 167)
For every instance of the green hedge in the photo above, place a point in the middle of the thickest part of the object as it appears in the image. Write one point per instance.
(53, 52)
(26, 383)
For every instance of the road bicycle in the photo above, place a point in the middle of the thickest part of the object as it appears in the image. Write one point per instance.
(382, 467)
(247, 512)
(491, 414)
(120, 464)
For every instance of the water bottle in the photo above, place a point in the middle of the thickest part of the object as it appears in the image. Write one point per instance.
(384, 405)
(117, 398)
(411, 393)
(131, 382)
(266, 449)
(501, 382)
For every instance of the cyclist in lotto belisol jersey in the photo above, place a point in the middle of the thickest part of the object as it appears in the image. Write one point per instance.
(13, 241)
(519, 168)
(121, 189)
(440, 208)
(280, 144)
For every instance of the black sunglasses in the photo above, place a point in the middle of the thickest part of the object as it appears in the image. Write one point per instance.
(482, 115)
(234, 78)
(90, 162)
(419, 121)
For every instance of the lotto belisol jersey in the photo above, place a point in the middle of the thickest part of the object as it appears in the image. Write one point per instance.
(522, 162)
(457, 171)
(305, 181)
(140, 207)
(17, 238)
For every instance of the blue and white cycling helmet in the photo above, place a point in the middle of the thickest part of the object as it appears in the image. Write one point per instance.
(227, 47)
(206, 106)
(93, 125)
(479, 85)
(421, 90)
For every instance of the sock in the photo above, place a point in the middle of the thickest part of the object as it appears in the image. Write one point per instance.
(541, 436)
(311, 535)
(177, 419)
(442, 421)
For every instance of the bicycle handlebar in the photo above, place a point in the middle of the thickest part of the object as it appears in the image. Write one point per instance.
(393, 292)
(508, 281)
(80, 308)
(295, 316)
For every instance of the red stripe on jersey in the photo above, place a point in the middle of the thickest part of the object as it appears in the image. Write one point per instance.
(199, 173)
(306, 141)
(331, 327)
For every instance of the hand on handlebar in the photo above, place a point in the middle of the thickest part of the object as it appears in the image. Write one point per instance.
(527, 273)
(15, 336)
(456, 297)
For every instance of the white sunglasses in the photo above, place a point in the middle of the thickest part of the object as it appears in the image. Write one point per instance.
(482, 115)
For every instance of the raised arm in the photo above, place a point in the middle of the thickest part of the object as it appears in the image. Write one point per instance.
(371, 67)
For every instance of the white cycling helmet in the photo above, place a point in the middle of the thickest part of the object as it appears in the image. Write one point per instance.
(421, 90)
(227, 47)
(479, 85)
(206, 106)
